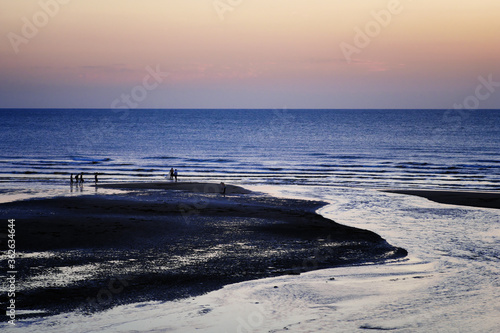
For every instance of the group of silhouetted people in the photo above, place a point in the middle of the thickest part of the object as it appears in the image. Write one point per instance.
(78, 179)
(173, 174)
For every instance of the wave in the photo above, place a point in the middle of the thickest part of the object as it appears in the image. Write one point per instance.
(346, 157)
(120, 164)
(487, 161)
(373, 172)
(159, 158)
(318, 154)
(88, 159)
(479, 166)
(210, 160)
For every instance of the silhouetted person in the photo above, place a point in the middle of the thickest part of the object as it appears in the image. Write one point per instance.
(71, 179)
(95, 178)
(171, 173)
(223, 191)
(175, 174)
(81, 177)
(76, 178)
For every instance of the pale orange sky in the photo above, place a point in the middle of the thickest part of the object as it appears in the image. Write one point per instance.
(254, 53)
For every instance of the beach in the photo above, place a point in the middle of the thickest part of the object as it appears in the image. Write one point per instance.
(221, 275)
(465, 198)
(164, 241)
(249, 166)
(141, 250)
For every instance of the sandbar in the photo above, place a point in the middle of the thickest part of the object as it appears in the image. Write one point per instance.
(166, 241)
(196, 187)
(463, 198)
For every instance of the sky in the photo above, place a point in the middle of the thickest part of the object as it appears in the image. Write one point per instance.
(249, 54)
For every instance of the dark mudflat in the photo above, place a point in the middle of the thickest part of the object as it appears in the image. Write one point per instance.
(95, 252)
(462, 198)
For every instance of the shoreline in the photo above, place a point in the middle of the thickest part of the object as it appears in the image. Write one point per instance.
(167, 245)
(461, 198)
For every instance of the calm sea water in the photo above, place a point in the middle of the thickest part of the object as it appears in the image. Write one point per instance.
(367, 148)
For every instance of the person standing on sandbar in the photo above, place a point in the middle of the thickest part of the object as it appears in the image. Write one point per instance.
(175, 175)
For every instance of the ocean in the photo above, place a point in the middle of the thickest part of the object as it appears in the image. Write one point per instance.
(449, 282)
(432, 149)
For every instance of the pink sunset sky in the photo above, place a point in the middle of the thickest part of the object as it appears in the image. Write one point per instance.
(250, 53)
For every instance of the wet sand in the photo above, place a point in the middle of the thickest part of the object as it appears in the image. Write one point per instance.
(166, 241)
(180, 186)
(473, 199)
